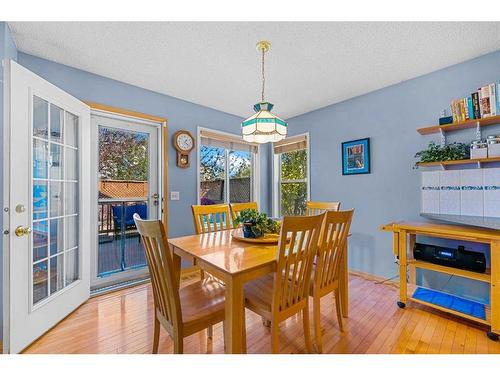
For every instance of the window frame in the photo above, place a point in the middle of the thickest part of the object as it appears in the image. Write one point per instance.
(276, 176)
(254, 172)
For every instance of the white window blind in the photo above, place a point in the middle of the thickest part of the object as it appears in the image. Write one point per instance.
(290, 144)
(228, 142)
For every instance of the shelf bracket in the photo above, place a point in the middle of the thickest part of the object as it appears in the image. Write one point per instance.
(478, 131)
(442, 138)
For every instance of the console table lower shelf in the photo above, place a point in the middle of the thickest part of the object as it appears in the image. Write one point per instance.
(404, 238)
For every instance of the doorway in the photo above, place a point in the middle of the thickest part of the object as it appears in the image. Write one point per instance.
(128, 181)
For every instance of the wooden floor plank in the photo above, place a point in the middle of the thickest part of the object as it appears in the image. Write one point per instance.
(121, 322)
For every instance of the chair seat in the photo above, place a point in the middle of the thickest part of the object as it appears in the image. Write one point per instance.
(202, 301)
(259, 293)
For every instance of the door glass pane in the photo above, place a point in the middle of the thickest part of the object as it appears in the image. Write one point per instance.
(56, 123)
(56, 199)
(40, 200)
(123, 192)
(71, 136)
(40, 117)
(40, 239)
(40, 158)
(56, 161)
(212, 175)
(71, 223)
(72, 266)
(56, 273)
(40, 281)
(56, 236)
(240, 184)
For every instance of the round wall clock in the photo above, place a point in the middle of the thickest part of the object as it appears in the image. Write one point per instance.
(184, 143)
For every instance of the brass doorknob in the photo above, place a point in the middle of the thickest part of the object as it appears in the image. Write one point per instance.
(22, 231)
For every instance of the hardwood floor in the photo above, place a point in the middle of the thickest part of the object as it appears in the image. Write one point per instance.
(121, 322)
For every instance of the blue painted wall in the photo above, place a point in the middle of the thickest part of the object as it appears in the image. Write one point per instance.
(390, 117)
(180, 115)
(7, 51)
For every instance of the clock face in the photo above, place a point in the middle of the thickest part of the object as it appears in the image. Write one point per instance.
(184, 142)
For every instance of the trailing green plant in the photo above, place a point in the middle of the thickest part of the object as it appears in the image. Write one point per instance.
(259, 222)
(435, 152)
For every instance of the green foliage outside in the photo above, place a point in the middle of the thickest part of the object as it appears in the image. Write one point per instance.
(123, 155)
(213, 162)
(293, 192)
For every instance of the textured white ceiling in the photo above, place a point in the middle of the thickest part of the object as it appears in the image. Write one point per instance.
(310, 65)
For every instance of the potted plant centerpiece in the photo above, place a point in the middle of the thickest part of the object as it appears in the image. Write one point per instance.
(255, 224)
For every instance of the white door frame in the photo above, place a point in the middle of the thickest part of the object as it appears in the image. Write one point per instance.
(96, 282)
(72, 301)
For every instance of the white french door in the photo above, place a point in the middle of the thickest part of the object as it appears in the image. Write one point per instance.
(47, 189)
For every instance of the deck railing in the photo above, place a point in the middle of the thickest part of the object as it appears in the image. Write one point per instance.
(119, 243)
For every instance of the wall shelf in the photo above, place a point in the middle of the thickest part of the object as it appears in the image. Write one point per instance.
(468, 124)
(443, 164)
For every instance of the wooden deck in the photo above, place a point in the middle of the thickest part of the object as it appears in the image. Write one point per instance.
(122, 322)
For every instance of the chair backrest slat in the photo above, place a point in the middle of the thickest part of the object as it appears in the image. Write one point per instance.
(332, 247)
(160, 264)
(316, 208)
(211, 218)
(236, 208)
(297, 247)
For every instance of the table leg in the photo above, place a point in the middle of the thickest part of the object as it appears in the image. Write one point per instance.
(235, 317)
(344, 284)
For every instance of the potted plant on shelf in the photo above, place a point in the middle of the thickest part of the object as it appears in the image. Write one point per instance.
(436, 153)
(255, 224)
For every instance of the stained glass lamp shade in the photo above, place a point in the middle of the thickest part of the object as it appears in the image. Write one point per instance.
(263, 126)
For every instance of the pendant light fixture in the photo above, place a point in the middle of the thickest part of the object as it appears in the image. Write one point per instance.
(263, 126)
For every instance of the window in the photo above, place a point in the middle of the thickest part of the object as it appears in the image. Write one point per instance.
(227, 168)
(291, 176)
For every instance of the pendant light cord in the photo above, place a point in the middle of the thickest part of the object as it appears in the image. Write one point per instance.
(263, 76)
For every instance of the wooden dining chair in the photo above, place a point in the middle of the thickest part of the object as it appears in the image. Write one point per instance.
(211, 218)
(316, 208)
(182, 312)
(325, 279)
(236, 208)
(284, 293)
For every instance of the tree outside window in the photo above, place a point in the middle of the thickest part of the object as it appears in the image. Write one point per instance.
(293, 182)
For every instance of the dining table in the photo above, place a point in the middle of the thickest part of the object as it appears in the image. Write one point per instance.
(235, 262)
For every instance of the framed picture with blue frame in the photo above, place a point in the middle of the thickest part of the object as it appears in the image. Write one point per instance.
(356, 157)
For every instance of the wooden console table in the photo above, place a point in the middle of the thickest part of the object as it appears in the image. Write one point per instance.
(404, 238)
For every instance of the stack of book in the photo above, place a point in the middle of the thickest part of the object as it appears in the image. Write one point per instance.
(485, 102)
